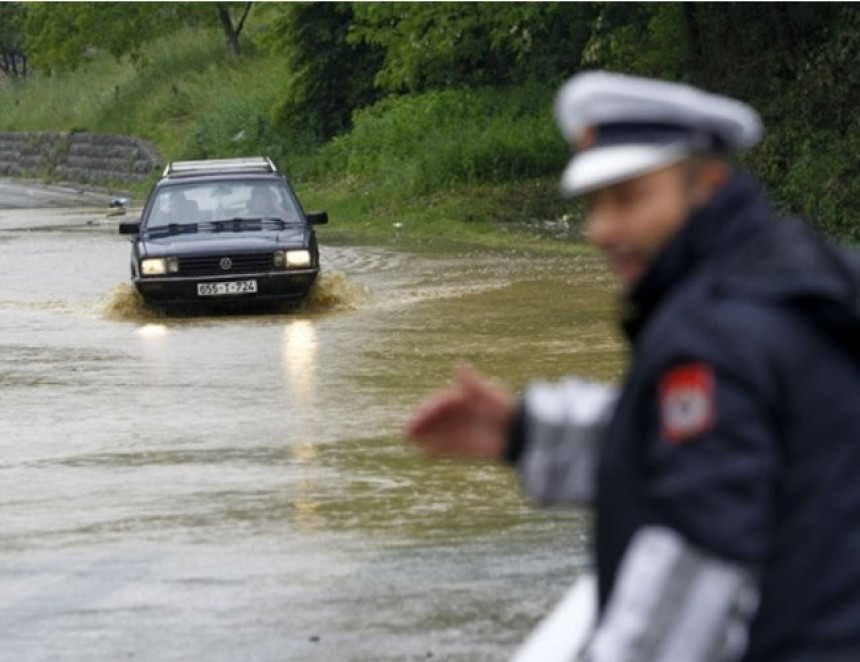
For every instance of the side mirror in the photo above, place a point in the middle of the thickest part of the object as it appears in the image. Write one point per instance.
(317, 217)
(129, 228)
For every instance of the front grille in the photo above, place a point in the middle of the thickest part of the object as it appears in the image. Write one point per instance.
(211, 265)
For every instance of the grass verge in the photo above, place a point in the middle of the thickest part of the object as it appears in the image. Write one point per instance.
(528, 216)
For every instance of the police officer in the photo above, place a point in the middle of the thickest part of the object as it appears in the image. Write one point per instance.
(725, 472)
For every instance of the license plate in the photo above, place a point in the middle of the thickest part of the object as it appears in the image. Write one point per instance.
(226, 289)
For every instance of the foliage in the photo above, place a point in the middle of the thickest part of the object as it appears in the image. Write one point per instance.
(416, 99)
(344, 56)
(794, 62)
(426, 142)
(13, 59)
(326, 76)
(441, 45)
(63, 36)
(174, 95)
(638, 39)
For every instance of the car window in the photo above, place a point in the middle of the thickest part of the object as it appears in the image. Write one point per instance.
(186, 204)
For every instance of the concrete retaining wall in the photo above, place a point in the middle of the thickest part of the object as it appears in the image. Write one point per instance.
(76, 157)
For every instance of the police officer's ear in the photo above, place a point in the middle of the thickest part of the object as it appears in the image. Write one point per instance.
(704, 174)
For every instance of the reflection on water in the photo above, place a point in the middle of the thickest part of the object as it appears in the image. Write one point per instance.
(153, 331)
(305, 514)
(303, 453)
(305, 497)
(232, 487)
(300, 346)
(154, 338)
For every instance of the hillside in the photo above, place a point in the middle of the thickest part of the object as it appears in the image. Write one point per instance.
(193, 102)
(378, 113)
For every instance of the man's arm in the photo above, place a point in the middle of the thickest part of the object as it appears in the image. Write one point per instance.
(551, 436)
(674, 602)
(556, 436)
(468, 419)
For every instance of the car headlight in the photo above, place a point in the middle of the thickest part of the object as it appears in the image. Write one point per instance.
(293, 259)
(159, 266)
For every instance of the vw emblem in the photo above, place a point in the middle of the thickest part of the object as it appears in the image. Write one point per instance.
(226, 263)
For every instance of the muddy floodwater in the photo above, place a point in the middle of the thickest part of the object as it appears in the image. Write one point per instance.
(237, 487)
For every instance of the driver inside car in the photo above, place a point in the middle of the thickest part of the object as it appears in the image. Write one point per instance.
(263, 204)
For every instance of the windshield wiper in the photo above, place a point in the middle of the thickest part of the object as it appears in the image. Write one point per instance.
(172, 228)
(240, 223)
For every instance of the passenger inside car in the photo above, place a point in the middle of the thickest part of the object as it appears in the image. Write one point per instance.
(263, 203)
(177, 209)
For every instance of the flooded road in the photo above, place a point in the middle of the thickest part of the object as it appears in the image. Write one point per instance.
(237, 488)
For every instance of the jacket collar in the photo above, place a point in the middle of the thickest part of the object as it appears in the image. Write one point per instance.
(736, 211)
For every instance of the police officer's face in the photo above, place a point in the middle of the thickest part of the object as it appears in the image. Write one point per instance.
(630, 221)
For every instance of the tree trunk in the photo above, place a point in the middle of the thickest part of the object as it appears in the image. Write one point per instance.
(229, 31)
(695, 55)
(13, 63)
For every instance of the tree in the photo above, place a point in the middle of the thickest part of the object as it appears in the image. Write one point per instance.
(13, 57)
(442, 45)
(231, 31)
(61, 36)
(327, 75)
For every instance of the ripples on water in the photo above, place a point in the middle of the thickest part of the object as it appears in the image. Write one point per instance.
(245, 481)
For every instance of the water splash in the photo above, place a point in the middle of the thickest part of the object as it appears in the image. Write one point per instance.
(124, 304)
(333, 292)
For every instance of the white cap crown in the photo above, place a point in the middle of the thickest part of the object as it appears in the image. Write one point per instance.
(656, 122)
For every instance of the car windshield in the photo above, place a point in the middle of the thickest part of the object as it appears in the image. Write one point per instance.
(198, 203)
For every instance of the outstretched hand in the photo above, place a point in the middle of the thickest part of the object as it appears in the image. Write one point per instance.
(469, 419)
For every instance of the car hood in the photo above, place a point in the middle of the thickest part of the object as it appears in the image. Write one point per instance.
(202, 243)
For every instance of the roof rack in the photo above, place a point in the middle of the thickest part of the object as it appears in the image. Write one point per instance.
(248, 164)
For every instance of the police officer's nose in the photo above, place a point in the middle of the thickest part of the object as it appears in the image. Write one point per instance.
(599, 228)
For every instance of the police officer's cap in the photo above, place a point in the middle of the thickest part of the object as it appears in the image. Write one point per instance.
(623, 127)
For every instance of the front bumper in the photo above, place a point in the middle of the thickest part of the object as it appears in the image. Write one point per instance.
(272, 286)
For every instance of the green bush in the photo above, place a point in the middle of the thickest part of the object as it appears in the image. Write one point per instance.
(421, 143)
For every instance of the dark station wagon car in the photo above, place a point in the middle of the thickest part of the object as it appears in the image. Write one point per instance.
(225, 231)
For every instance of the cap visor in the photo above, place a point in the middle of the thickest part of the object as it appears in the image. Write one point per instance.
(603, 166)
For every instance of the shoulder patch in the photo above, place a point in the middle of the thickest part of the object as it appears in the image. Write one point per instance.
(686, 401)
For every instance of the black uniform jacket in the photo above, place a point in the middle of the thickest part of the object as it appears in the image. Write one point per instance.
(739, 422)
